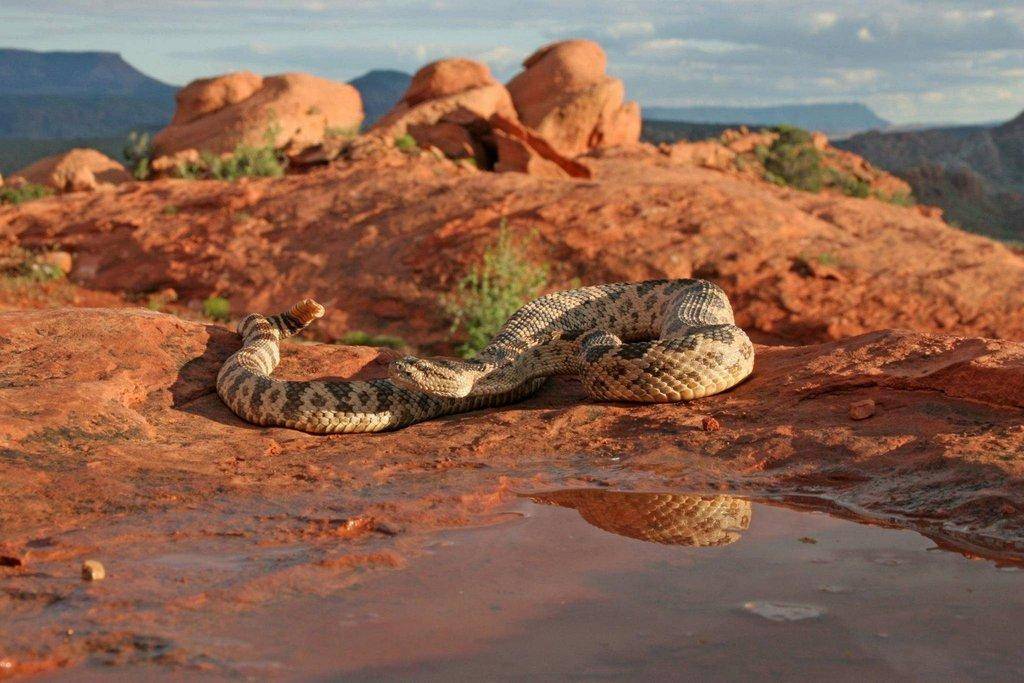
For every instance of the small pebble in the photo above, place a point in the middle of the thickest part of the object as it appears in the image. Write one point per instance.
(862, 410)
(93, 571)
(710, 424)
(807, 539)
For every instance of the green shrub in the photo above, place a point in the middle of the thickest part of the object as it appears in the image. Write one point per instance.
(901, 199)
(28, 266)
(405, 143)
(138, 151)
(217, 308)
(360, 338)
(851, 185)
(246, 161)
(493, 290)
(341, 132)
(792, 160)
(25, 193)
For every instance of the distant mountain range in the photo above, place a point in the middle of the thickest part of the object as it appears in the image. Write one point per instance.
(380, 90)
(833, 119)
(46, 95)
(975, 173)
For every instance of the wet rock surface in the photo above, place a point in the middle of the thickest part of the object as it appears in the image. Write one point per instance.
(115, 448)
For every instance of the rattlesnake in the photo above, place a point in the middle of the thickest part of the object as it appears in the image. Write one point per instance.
(668, 518)
(653, 341)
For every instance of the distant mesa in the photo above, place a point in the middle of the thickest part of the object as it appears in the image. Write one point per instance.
(25, 72)
(46, 95)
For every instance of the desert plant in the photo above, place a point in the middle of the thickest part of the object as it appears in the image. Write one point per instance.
(793, 160)
(138, 151)
(24, 193)
(493, 290)
(360, 338)
(405, 142)
(246, 161)
(851, 185)
(217, 308)
(341, 132)
(22, 264)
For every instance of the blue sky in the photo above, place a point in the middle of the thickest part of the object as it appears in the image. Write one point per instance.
(910, 60)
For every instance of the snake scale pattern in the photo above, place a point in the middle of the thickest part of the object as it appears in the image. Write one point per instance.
(655, 341)
(666, 518)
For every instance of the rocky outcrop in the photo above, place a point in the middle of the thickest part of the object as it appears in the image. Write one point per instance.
(799, 267)
(456, 107)
(295, 110)
(566, 96)
(77, 170)
(450, 88)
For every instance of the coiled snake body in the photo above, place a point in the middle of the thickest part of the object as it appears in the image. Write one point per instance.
(653, 341)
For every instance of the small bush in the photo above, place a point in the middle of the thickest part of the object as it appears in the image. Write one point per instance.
(28, 266)
(901, 199)
(405, 143)
(246, 161)
(360, 338)
(217, 308)
(340, 132)
(492, 291)
(793, 160)
(851, 185)
(25, 193)
(170, 210)
(137, 152)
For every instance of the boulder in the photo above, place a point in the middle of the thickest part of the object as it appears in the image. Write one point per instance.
(441, 90)
(77, 170)
(446, 77)
(296, 109)
(565, 95)
(456, 106)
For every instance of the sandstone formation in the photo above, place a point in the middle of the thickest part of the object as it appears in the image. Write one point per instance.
(381, 238)
(77, 170)
(456, 107)
(566, 96)
(217, 114)
(458, 87)
(121, 452)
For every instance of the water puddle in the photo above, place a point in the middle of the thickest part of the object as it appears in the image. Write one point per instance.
(603, 584)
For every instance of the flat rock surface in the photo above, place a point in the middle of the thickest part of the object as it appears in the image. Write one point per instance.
(115, 448)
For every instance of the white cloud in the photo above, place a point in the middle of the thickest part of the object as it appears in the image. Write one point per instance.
(630, 29)
(823, 20)
(864, 35)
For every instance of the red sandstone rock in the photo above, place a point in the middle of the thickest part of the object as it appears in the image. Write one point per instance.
(217, 114)
(862, 410)
(446, 77)
(565, 95)
(442, 88)
(456, 106)
(76, 170)
(381, 238)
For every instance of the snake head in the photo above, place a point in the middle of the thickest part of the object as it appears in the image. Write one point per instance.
(437, 376)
